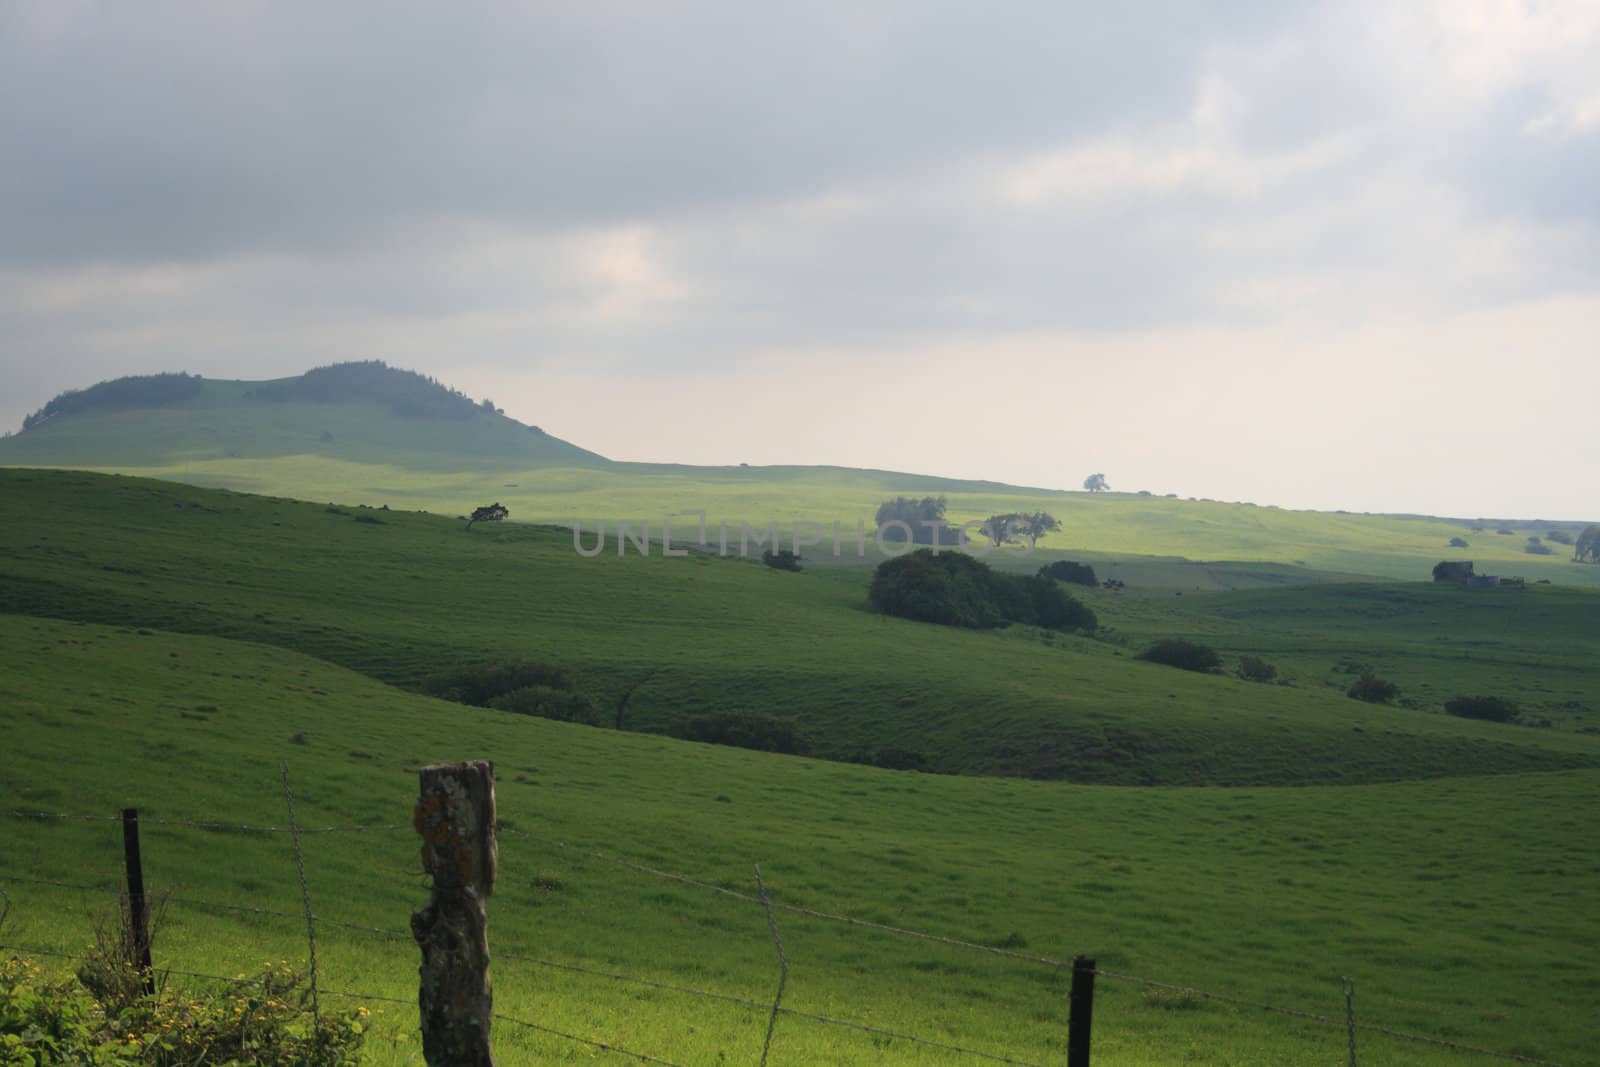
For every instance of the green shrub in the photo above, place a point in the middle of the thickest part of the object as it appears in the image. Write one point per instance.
(1458, 542)
(953, 589)
(782, 560)
(1490, 709)
(1256, 669)
(264, 1021)
(1373, 690)
(1183, 654)
(743, 729)
(1064, 570)
(547, 702)
(478, 685)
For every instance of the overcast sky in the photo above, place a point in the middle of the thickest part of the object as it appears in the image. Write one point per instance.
(1341, 255)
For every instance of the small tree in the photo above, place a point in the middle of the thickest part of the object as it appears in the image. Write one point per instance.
(1003, 529)
(495, 512)
(1036, 525)
(1256, 669)
(1587, 550)
(782, 560)
(1536, 547)
(1458, 542)
(1374, 690)
(1096, 483)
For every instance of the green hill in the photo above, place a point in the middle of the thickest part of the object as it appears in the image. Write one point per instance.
(366, 433)
(355, 413)
(404, 596)
(1460, 907)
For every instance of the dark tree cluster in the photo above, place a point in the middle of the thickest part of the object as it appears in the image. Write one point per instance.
(742, 729)
(524, 687)
(1536, 547)
(1184, 654)
(405, 392)
(1458, 542)
(917, 513)
(1489, 709)
(121, 394)
(953, 589)
(1064, 570)
(1015, 526)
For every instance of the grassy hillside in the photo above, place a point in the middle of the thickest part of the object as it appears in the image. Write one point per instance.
(363, 433)
(376, 415)
(401, 597)
(1459, 906)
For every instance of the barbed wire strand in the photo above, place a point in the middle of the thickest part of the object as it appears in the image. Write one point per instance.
(748, 1002)
(797, 909)
(213, 824)
(194, 902)
(1454, 1046)
(642, 1057)
(1370, 1027)
(783, 966)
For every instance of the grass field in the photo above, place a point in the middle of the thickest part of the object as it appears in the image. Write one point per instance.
(167, 646)
(1459, 906)
(361, 452)
(404, 596)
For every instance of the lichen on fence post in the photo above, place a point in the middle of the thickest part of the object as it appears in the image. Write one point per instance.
(455, 816)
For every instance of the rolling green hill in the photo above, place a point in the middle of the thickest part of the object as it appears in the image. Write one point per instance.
(364, 433)
(362, 414)
(404, 596)
(1461, 907)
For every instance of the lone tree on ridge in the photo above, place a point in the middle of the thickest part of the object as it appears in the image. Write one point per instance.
(1096, 483)
(488, 513)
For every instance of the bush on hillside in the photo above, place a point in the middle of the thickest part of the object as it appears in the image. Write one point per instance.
(1560, 537)
(1536, 547)
(1489, 709)
(953, 589)
(1183, 654)
(781, 560)
(1065, 570)
(742, 729)
(1256, 669)
(547, 702)
(480, 685)
(1458, 542)
(1373, 690)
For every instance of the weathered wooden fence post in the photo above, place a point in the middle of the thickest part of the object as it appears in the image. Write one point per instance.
(1080, 1011)
(138, 908)
(455, 816)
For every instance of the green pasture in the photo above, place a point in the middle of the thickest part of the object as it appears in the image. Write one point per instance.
(1459, 906)
(403, 596)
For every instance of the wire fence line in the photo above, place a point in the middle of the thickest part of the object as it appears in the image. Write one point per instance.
(774, 1007)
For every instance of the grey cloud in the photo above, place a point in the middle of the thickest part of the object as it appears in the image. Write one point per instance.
(187, 131)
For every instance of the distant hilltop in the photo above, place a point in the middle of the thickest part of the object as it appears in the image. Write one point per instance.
(406, 393)
(361, 412)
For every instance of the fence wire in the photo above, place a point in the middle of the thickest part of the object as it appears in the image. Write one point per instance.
(761, 899)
